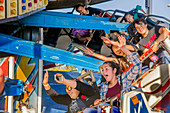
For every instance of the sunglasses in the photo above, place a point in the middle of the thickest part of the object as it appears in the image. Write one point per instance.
(68, 89)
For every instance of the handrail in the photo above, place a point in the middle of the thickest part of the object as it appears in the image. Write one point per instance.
(158, 17)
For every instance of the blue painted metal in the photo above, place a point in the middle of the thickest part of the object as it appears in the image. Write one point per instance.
(13, 87)
(10, 44)
(64, 20)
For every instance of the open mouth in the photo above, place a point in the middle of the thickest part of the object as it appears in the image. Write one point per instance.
(106, 76)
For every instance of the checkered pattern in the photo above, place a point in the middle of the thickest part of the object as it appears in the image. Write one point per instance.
(127, 77)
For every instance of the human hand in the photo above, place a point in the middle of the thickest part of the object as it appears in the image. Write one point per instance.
(122, 42)
(61, 80)
(97, 101)
(155, 48)
(45, 80)
(88, 38)
(106, 40)
(88, 51)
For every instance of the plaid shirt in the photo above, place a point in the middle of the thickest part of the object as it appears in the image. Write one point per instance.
(127, 77)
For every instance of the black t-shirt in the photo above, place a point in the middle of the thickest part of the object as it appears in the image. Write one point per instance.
(95, 11)
(86, 97)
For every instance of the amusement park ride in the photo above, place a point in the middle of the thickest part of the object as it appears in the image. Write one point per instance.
(21, 38)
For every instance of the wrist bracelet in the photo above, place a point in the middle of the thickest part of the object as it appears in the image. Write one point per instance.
(156, 43)
(46, 85)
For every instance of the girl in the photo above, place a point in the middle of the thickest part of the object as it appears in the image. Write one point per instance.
(112, 86)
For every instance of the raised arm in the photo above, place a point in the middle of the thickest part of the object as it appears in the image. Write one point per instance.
(163, 34)
(86, 90)
(101, 57)
(131, 74)
(60, 99)
(122, 45)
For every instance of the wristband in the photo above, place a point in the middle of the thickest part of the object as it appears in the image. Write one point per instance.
(94, 54)
(46, 85)
(156, 43)
(126, 34)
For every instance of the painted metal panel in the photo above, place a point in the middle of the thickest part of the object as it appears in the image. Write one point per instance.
(22, 47)
(64, 20)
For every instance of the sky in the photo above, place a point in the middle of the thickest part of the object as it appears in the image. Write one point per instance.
(159, 7)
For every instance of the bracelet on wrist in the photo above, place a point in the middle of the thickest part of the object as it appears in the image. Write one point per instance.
(156, 43)
(46, 85)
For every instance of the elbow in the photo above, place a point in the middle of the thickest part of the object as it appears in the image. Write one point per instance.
(165, 32)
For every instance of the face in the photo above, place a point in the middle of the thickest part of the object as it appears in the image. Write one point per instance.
(141, 28)
(129, 18)
(117, 51)
(107, 72)
(82, 10)
(73, 93)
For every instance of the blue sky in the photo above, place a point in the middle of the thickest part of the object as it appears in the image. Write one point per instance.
(159, 7)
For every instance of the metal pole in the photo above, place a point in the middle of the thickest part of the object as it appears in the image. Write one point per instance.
(40, 76)
(150, 7)
(11, 76)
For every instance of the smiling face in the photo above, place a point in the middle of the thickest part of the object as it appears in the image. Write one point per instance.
(141, 28)
(129, 18)
(117, 51)
(73, 93)
(82, 10)
(108, 73)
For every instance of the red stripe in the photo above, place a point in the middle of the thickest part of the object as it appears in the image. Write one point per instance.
(128, 68)
(151, 39)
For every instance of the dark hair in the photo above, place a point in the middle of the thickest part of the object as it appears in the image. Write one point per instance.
(131, 13)
(113, 37)
(113, 65)
(137, 21)
(78, 5)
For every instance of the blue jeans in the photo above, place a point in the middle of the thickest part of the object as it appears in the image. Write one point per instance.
(98, 110)
(165, 57)
(168, 109)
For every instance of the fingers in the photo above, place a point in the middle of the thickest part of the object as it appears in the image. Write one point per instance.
(45, 81)
(61, 78)
(46, 74)
(97, 101)
(122, 41)
(59, 74)
(102, 37)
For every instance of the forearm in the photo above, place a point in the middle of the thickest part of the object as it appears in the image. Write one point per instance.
(131, 74)
(71, 83)
(163, 35)
(130, 47)
(60, 99)
(82, 38)
(126, 51)
(85, 88)
(137, 65)
(104, 58)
